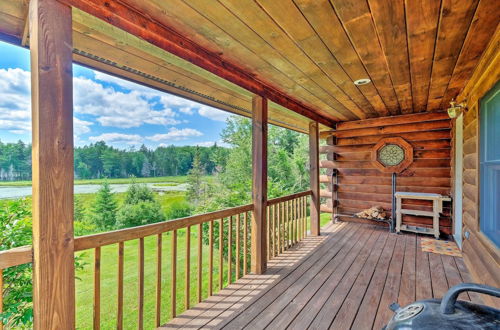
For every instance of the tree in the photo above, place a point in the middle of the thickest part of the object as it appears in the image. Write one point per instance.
(195, 182)
(104, 208)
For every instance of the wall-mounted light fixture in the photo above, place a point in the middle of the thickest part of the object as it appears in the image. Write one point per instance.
(456, 109)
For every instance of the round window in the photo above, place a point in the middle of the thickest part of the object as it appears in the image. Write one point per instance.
(391, 155)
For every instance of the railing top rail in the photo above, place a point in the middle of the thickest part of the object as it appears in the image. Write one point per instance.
(289, 197)
(16, 256)
(116, 236)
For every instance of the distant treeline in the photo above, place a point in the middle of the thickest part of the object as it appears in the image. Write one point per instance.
(99, 160)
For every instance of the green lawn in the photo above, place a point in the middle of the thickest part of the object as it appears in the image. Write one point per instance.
(161, 179)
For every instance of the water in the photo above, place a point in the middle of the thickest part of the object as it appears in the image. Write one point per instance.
(17, 192)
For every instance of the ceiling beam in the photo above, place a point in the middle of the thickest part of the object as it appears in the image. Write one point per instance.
(139, 24)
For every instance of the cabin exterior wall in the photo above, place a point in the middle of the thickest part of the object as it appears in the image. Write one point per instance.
(480, 254)
(361, 185)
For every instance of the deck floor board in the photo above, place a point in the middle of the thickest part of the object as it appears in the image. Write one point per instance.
(344, 279)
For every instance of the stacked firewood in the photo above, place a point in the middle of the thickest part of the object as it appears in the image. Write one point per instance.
(374, 212)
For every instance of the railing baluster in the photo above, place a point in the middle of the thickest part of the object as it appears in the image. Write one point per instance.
(295, 222)
(245, 243)
(230, 250)
(119, 314)
(271, 225)
(221, 247)
(211, 257)
(97, 288)
(141, 284)
(287, 225)
(299, 202)
(280, 246)
(200, 261)
(188, 269)
(173, 294)
(158, 279)
(238, 246)
(268, 231)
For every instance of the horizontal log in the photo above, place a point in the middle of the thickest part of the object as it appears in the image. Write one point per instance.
(470, 115)
(112, 237)
(470, 130)
(417, 145)
(470, 191)
(418, 136)
(470, 145)
(470, 176)
(396, 129)
(417, 154)
(418, 163)
(470, 161)
(470, 220)
(415, 172)
(387, 189)
(16, 256)
(393, 120)
(405, 181)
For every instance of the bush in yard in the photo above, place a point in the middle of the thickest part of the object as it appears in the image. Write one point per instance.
(140, 208)
(178, 209)
(104, 208)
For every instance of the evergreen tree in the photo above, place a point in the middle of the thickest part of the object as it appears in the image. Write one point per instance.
(139, 208)
(104, 208)
(79, 210)
(195, 177)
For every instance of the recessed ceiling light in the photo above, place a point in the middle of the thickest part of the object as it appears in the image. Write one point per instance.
(363, 81)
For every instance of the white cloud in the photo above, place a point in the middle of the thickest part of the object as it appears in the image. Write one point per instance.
(81, 126)
(175, 134)
(186, 110)
(212, 113)
(117, 138)
(15, 101)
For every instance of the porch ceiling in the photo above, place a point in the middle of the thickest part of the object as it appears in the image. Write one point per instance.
(418, 54)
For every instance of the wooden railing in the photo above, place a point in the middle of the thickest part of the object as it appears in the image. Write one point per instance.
(286, 223)
(228, 258)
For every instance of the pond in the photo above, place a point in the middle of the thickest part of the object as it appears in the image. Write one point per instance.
(17, 192)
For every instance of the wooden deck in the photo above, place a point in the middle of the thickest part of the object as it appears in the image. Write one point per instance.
(345, 278)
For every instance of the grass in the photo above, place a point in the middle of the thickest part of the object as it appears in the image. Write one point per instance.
(168, 184)
(173, 180)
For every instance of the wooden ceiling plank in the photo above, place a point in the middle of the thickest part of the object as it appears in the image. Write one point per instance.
(222, 17)
(456, 17)
(290, 19)
(482, 29)
(422, 19)
(357, 21)
(325, 22)
(390, 23)
(248, 11)
(200, 30)
(144, 26)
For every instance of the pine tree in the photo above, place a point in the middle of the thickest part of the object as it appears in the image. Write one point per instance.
(104, 208)
(79, 210)
(195, 176)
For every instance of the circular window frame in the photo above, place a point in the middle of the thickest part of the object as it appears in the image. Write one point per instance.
(403, 165)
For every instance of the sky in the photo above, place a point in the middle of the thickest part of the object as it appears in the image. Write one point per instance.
(106, 108)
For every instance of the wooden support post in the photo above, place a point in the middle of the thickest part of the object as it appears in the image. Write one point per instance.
(314, 175)
(259, 190)
(52, 116)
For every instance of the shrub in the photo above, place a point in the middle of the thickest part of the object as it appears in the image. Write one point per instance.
(178, 209)
(141, 213)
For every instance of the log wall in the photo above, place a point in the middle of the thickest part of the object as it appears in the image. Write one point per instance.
(361, 185)
(480, 254)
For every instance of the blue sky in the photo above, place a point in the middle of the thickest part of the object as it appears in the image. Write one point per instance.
(107, 108)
